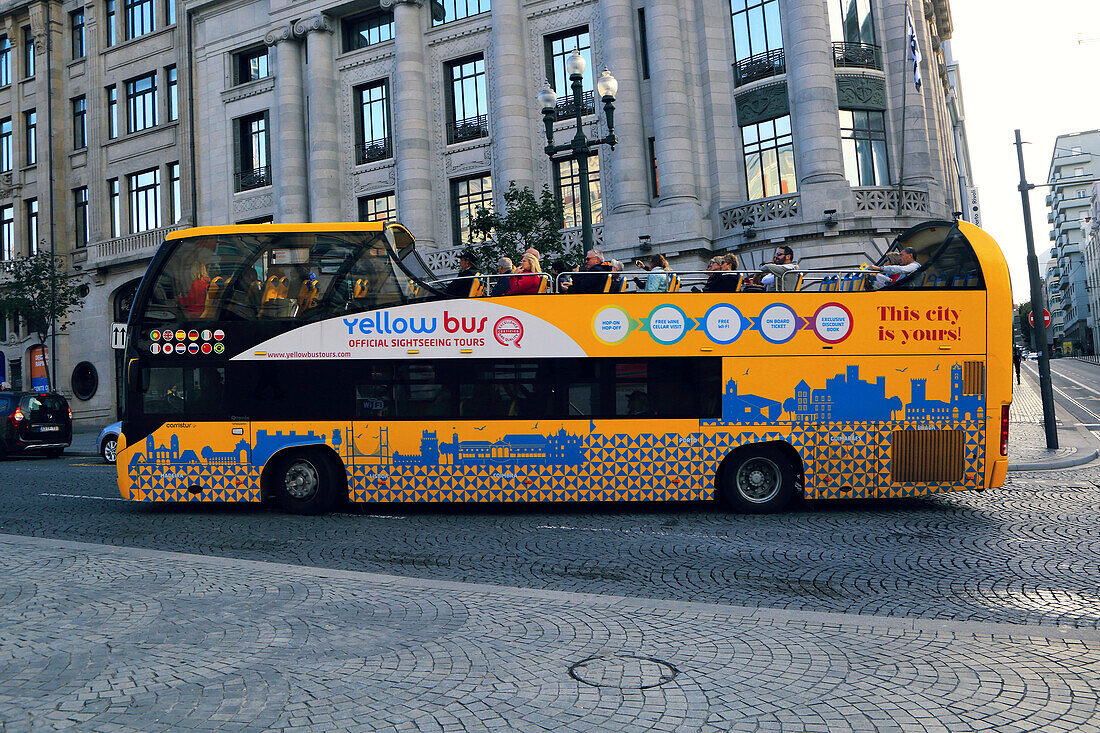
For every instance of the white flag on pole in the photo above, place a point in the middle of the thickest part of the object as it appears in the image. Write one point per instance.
(913, 48)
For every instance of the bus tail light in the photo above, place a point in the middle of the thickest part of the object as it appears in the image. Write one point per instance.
(1004, 430)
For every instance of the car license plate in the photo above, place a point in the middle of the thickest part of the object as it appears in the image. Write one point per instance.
(50, 428)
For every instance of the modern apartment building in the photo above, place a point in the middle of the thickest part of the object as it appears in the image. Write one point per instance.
(741, 125)
(1090, 235)
(1073, 166)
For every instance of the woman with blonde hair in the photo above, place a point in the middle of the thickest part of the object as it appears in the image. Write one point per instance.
(529, 278)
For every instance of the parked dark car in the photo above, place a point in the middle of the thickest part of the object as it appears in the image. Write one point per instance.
(34, 422)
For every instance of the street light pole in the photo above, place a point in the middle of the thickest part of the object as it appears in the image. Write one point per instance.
(580, 146)
(1038, 307)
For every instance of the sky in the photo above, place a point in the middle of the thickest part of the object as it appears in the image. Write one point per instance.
(1032, 66)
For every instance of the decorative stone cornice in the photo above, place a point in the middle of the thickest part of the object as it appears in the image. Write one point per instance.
(283, 32)
(320, 22)
(762, 103)
(860, 92)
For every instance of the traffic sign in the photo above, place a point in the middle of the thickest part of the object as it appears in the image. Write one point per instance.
(1046, 318)
(118, 335)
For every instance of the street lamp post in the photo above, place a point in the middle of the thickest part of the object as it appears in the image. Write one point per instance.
(580, 146)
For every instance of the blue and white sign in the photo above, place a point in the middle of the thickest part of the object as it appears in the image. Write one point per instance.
(723, 324)
(667, 324)
(778, 323)
(611, 325)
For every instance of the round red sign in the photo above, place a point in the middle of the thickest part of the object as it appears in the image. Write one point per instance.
(508, 330)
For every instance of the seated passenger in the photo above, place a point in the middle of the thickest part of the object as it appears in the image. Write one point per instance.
(467, 271)
(559, 267)
(773, 272)
(504, 267)
(907, 265)
(593, 278)
(527, 283)
(724, 280)
(657, 279)
(195, 299)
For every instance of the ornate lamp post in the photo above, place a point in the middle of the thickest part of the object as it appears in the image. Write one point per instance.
(580, 146)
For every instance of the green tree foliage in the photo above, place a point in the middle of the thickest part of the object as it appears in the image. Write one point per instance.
(1024, 309)
(38, 289)
(526, 222)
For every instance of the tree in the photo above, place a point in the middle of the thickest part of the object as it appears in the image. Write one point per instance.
(37, 289)
(526, 222)
(1024, 309)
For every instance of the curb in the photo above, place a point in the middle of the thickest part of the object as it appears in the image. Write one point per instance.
(1077, 459)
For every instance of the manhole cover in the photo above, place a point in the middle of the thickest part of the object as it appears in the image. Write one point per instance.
(625, 671)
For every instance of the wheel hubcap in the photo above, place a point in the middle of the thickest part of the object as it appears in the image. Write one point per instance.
(109, 450)
(301, 480)
(758, 480)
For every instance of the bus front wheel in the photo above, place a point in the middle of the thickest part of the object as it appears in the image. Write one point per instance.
(758, 480)
(303, 482)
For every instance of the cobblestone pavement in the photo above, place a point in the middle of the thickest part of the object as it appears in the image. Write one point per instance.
(100, 638)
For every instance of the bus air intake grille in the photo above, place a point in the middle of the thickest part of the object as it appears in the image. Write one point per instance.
(926, 456)
(973, 377)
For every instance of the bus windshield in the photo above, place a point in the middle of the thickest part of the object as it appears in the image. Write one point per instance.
(304, 276)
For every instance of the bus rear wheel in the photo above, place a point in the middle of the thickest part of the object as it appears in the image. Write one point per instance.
(304, 482)
(758, 480)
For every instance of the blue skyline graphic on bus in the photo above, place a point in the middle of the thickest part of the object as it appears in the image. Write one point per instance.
(560, 449)
(845, 398)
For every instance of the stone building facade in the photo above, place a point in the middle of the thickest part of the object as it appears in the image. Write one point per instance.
(741, 126)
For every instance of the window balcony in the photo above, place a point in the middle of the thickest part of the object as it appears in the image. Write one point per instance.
(565, 107)
(255, 178)
(471, 128)
(375, 150)
(121, 250)
(857, 55)
(761, 66)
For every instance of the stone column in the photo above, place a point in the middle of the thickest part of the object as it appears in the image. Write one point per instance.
(629, 162)
(288, 157)
(411, 132)
(672, 113)
(812, 93)
(324, 164)
(511, 98)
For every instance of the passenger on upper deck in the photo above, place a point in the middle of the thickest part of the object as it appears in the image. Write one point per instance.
(504, 267)
(657, 279)
(459, 287)
(526, 284)
(195, 299)
(782, 263)
(557, 267)
(907, 265)
(724, 280)
(593, 278)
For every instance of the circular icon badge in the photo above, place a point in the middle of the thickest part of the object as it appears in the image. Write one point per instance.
(723, 324)
(192, 348)
(193, 335)
(207, 348)
(778, 323)
(167, 335)
(219, 335)
(154, 335)
(219, 348)
(181, 335)
(611, 325)
(206, 334)
(833, 323)
(181, 348)
(508, 330)
(154, 347)
(667, 324)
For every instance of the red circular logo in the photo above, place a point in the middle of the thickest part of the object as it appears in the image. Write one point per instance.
(508, 330)
(207, 348)
(219, 335)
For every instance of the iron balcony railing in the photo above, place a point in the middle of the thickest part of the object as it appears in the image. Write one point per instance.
(760, 66)
(369, 152)
(857, 55)
(470, 128)
(565, 107)
(255, 178)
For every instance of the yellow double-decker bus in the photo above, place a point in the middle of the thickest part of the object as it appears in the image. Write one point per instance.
(314, 363)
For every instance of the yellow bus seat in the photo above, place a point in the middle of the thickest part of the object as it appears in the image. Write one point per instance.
(308, 295)
(361, 289)
(542, 284)
(673, 283)
(607, 285)
(477, 287)
(214, 293)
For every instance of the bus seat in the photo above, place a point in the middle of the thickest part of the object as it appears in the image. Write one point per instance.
(214, 294)
(673, 283)
(617, 285)
(361, 289)
(271, 288)
(414, 290)
(308, 295)
(959, 280)
(542, 284)
(607, 285)
(477, 287)
(972, 279)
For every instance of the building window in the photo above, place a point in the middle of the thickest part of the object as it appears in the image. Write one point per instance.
(116, 207)
(141, 103)
(5, 61)
(252, 150)
(30, 125)
(466, 99)
(378, 208)
(863, 139)
(250, 65)
(853, 34)
(32, 226)
(76, 28)
(80, 122)
(6, 162)
(568, 184)
(643, 43)
(112, 112)
(80, 216)
(169, 12)
(366, 30)
(28, 52)
(175, 202)
(769, 158)
(653, 167)
(559, 48)
(110, 25)
(144, 191)
(467, 196)
(459, 9)
(757, 40)
(139, 18)
(172, 82)
(7, 232)
(372, 124)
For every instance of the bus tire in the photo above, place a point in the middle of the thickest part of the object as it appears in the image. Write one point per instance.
(304, 482)
(758, 479)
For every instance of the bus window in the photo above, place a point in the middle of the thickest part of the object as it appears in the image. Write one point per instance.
(946, 257)
(183, 390)
(502, 389)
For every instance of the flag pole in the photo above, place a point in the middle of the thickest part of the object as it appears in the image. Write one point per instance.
(904, 101)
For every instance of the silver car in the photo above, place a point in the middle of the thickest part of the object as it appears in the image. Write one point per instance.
(108, 441)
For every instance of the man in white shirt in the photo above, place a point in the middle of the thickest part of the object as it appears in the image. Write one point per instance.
(907, 266)
(781, 264)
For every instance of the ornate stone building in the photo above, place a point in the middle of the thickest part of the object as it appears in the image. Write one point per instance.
(741, 125)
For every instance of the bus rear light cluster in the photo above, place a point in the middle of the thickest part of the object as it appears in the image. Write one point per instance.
(1004, 430)
(17, 416)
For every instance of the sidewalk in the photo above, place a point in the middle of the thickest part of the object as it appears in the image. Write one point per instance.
(1027, 441)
